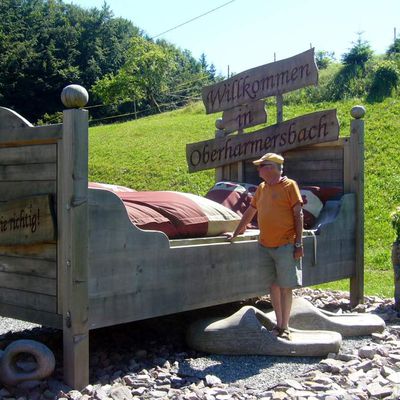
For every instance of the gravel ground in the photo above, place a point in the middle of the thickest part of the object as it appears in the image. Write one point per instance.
(259, 372)
(162, 339)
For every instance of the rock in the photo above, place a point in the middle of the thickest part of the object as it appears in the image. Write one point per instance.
(158, 394)
(394, 377)
(376, 390)
(331, 365)
(120, 393)
(212, 380)
(367, 352)
(365, 365)
(75, 395)
(138, 391)
(294, 384)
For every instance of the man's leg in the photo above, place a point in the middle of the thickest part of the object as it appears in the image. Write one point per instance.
(286, 306)
(276, 299)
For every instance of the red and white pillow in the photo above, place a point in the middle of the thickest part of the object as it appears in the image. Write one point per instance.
(178, 215)
(312, 207)
(235, 196)
(111, 188)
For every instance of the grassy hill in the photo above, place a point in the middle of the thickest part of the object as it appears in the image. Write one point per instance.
(149, 154)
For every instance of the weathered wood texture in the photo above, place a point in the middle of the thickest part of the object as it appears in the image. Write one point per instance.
(302, 131)
(244, 116)
(261, 82)
(73, 246)
(135, 274)
(126, 284)
(309, 166)
(28, 283)
(356, 176)
(27, 221)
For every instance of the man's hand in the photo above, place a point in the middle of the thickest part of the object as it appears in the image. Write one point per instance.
(298, 253)
(230, 236)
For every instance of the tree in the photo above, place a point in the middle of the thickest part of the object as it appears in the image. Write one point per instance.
(359, 54)
(203, 62)
(323, 58)
(143, 76)
(46, 44)
(394, 48)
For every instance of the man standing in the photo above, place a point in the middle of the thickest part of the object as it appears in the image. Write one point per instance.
(280, 220)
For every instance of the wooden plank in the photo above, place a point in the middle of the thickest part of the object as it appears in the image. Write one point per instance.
(27, 221)
(28, 283)
(346, 166)
(28, 154)
(9, 119)
(73, 246)
(41, 251)
(28, 172)
(279, 108)
(261, 82)
(26, 314)
(30, 300)
(327, 176)
(17, 189)
(314, 165)
(356, 175)
(28, 266)
(314, 154)
(301, 131)
(244, 116)
(30, 135)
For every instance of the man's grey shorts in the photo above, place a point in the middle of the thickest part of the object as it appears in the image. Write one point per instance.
(283, 269)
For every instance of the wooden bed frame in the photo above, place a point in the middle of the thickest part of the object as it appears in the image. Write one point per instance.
(97, 269)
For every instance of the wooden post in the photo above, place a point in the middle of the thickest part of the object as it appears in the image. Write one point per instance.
(219, 171)
(73, 242)
(357, 186)
(279, 108)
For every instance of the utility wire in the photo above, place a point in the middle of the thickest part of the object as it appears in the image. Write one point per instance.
(181, 85)
(140, 112)
(193, 19)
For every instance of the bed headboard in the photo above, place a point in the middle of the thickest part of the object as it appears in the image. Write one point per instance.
(44, 216)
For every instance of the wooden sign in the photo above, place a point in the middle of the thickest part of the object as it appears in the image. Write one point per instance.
(261, 82)
(26, 221)
(318, 127)
(244, 116)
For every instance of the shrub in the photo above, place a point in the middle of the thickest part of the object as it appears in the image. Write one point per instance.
(395, 217)
(324, 58)
(385, 80)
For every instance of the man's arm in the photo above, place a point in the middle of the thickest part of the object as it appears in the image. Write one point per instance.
(246, 218)
(298, 224)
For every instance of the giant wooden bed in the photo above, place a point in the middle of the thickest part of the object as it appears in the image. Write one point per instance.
(97, 269)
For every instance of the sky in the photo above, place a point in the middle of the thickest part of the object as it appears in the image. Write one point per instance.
(247, 33)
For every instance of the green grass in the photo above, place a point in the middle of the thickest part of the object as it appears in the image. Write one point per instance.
(149, 154)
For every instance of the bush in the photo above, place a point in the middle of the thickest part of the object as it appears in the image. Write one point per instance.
(385, 81)
(395, 217)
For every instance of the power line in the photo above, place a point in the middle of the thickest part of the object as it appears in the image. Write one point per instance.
(180, 85)
(140, 112)
(193, 19)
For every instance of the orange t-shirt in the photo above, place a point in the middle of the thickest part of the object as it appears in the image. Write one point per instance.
(274, 206)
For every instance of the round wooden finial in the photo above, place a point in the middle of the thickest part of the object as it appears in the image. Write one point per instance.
(357, 112)
(219, 123)
(74, 96)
